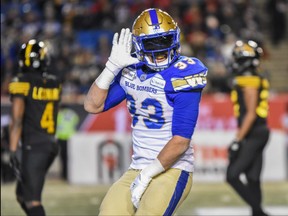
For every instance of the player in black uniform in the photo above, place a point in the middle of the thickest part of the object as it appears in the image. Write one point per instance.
(250, 98)
(35, 96)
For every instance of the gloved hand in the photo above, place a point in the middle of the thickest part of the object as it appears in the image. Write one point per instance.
(141, 182)
(120, 55)
(233, 150)
(15, 165)
(138, 187)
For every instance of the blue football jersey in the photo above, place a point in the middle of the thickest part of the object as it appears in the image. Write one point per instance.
(162, 104)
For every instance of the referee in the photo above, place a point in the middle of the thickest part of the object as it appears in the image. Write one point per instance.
(35, 96)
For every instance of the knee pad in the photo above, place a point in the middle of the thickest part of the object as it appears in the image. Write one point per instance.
(36, 211)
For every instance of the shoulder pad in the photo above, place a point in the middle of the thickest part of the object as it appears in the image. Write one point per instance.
(20, 77)
(188, 74)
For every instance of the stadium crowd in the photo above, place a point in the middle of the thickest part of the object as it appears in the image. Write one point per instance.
(79, 34)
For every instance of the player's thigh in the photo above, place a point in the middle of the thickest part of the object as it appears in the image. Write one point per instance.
(259, 139)
(249, 152)
(34, 167)
(165, 193)
(117, 201)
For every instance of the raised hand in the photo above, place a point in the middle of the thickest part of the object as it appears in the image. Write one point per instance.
(120, 55)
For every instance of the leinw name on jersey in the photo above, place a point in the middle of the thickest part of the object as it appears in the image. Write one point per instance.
(40, 93)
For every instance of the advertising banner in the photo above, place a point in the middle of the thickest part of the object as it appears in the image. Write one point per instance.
(98, 158)
(101, 158)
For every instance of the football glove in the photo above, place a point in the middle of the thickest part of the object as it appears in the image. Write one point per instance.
(138, 187)
(15, 165)
(141, 182)
(233, 150)
(120, 55)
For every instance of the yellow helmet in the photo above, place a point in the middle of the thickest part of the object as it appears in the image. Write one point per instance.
(156, 39)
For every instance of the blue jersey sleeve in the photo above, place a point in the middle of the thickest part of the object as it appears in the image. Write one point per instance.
(185, 115)
(186, 74)
(116, 95)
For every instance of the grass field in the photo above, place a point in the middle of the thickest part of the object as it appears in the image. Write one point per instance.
(61, 198)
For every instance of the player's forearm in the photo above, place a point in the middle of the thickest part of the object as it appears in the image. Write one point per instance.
(247, 123)
(173, 150)
(15, 134)
(250, 98)
(94, 101)
(95, 98)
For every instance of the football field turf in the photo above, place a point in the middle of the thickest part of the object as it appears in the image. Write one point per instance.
(61, 198)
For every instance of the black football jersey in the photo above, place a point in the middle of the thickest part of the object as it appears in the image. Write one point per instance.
(41, 94)
(237, 97)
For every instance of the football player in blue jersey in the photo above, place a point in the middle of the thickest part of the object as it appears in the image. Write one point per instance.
(163, 90)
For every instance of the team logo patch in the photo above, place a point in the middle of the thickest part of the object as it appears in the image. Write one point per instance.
(194, 81)
(129, 73)
(158, 82)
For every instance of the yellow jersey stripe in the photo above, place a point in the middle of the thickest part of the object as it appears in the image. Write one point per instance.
(19, 88)
(249, 81)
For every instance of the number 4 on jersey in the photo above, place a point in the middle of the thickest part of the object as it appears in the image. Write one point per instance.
(47, 121)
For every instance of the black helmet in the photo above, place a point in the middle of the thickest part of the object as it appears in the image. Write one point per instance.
(33, 56)
(246, 55)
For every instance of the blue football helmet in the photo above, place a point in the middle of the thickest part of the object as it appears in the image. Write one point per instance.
(156, 39)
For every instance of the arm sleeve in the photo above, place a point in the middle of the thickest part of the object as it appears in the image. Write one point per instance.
(185, 115)
(19, 88)
(116, 95)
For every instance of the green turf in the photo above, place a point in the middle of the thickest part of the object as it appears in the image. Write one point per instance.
(61, 198)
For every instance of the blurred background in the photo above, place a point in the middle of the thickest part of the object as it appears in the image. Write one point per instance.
(79, 34)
